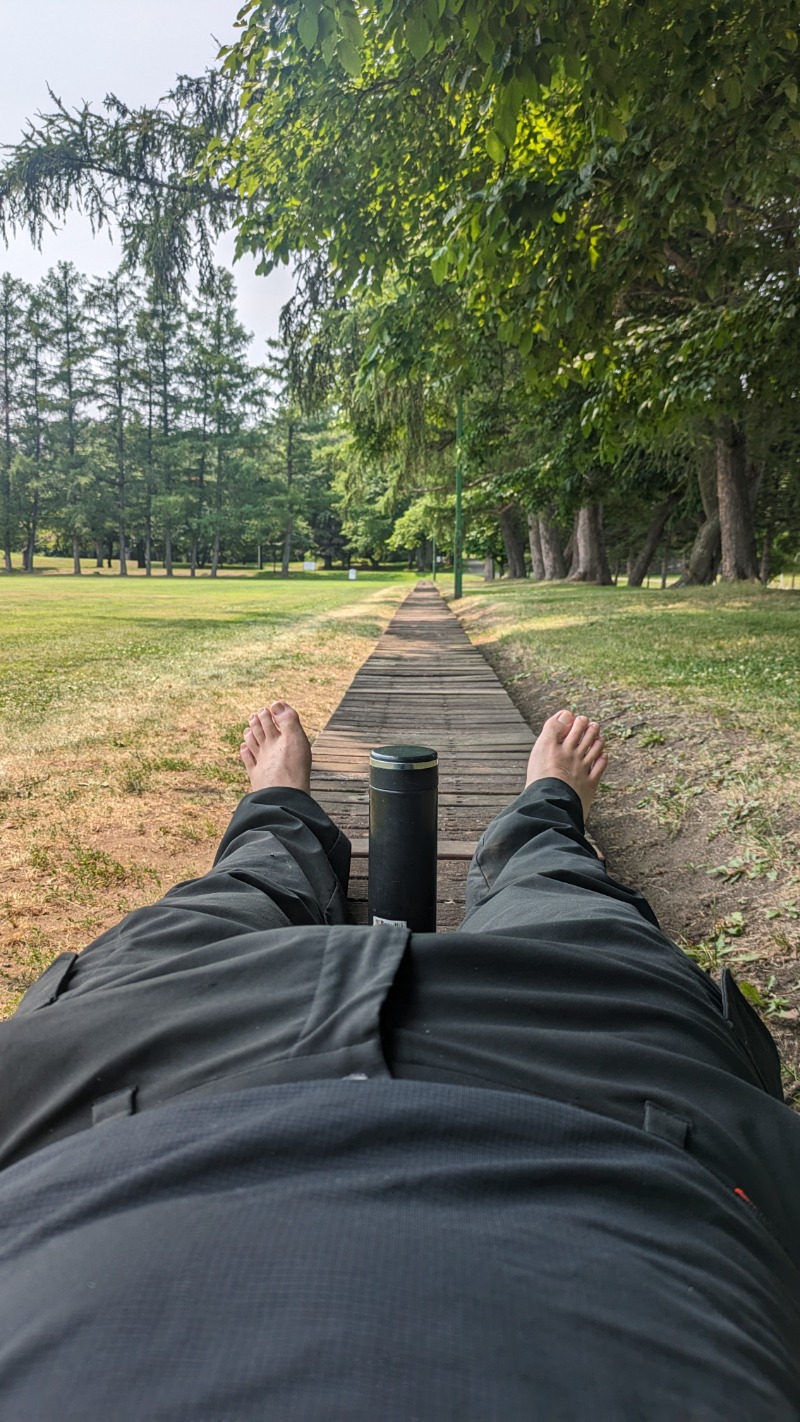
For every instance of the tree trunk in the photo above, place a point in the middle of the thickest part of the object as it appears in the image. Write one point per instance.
(765, 568)
(537, 553)
(168, 550)
(76, 555)
(122, 530)
(286, 556)
(589, 559)
(552, 552)
(512, 540)
(703, 561)
(665, 561)
(27, 558)
(739, 562)
(642, 562)
(98, 553)
(488, 570)
(704, 557)
(287, 539)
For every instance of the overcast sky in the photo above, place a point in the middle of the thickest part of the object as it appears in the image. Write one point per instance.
(85, 49)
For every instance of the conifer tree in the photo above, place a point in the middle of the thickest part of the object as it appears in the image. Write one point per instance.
(12, 325)
(68, 383)
(113, 307)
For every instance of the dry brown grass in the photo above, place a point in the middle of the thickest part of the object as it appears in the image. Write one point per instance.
(117, 795)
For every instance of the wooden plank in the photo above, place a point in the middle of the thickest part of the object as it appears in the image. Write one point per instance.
(424, 683)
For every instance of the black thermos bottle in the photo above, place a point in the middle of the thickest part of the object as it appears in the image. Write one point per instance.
(403, 804)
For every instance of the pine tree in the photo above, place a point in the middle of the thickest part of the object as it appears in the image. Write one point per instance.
(68, 382)
(161, 332)
(12, 344)
(113, 305)
(29, 463)
(223, 390)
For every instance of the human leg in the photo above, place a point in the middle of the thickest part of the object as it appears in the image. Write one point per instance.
(192, 987)
(555, 959)
(533, 867)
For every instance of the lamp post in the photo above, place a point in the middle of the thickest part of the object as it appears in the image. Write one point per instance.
(457, 570)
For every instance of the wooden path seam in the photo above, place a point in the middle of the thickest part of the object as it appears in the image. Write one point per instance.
(427, 684)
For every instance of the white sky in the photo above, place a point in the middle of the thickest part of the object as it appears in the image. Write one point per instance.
(85, 49)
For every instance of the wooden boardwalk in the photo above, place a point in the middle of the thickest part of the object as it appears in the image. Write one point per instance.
(427, 684)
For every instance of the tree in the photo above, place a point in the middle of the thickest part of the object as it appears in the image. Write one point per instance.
(12, 323)
(220, 390)
(68, 388)
(585, 177)
(113, 304)
(161, 331)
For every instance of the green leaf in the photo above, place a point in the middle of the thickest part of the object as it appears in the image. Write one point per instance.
(790, 90)
(308, 27)
(351, 27)
(440, 262)
(495, 147)
(484, 44)
(615, 128)
(732, 90)
(326, 21)
(711, 219)
(418, 36)
(349, 57)
(504, 121)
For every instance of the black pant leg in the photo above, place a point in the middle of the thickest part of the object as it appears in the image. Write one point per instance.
(560, 980)
(214, 980)
(281, 862)
(534, 871)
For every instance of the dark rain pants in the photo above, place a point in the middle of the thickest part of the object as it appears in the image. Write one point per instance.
(558, 982)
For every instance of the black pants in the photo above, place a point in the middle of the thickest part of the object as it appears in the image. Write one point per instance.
(558, 982)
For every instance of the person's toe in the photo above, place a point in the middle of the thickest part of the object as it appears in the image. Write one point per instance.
(563, 721)
(576, 732)
(597, 770)
(247, 756)
(283, 713)
(255, 728)
(267, 724)
(590, 736)
(594, 750)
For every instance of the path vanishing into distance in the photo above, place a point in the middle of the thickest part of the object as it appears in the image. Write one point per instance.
(425, 683)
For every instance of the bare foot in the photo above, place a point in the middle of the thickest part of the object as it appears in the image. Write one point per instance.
(570, 748)
(275, 749)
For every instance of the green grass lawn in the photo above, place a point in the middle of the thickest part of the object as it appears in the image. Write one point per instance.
(732, 650)
(122, 703)
(67, 640)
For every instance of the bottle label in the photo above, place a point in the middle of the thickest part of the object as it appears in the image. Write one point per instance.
(392, 922)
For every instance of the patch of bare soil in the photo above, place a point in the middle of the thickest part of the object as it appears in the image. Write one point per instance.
(702, 817)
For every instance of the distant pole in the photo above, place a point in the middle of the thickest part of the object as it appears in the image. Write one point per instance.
(433, 559)
(457, 571)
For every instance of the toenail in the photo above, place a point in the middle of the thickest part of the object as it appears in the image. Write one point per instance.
(279, 706)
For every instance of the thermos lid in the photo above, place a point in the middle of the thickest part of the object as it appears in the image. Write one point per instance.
(404, 758)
